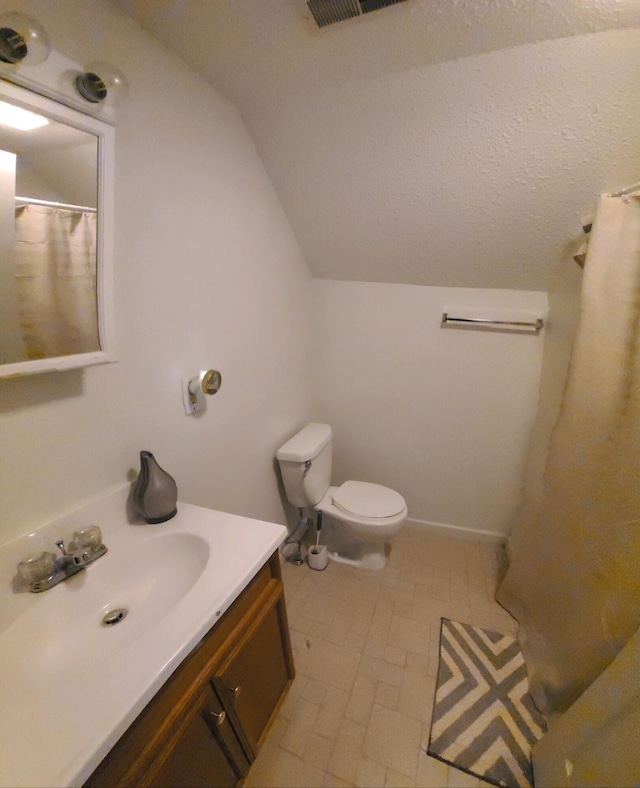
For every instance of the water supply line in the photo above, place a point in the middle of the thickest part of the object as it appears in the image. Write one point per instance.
(296, 536)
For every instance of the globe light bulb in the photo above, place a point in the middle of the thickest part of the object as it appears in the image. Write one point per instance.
(102, 82)
(23, 40)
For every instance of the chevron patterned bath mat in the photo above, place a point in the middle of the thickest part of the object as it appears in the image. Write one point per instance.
(484, 720)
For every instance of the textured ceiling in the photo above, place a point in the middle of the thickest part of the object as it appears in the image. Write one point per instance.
(435, 142)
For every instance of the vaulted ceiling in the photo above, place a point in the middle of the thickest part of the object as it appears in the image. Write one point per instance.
(434, 142)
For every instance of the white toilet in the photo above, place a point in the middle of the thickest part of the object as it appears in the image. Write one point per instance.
(368, 515)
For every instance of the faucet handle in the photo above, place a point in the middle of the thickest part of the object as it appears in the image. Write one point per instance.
(37, 567)
(61, 547)
(89, 538)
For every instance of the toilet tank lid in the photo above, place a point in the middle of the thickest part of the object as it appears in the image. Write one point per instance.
(306, 444)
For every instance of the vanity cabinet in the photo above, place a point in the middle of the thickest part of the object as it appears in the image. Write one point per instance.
(203, 752)
(206, 724)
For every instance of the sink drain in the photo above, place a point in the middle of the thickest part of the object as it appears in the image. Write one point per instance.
(114, 617)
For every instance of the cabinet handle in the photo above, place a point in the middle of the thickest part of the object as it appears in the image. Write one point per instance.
(235, 691)
(218, 718)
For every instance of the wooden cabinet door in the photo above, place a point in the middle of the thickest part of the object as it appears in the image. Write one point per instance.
(205, 752)
(252, 680)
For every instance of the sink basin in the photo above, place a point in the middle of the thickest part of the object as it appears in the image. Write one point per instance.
(63, 631)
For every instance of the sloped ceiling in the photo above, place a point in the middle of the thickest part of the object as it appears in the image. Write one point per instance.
(435, 142)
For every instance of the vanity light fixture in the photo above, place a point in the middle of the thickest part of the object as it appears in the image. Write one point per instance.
(18, 118)
(102, 82)
(22, 39)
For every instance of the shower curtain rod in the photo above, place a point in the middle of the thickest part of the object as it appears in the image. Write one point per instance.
(581, 257)
(628, 190)
(48, 203)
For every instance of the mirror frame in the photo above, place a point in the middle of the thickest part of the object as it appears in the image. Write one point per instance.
(105, 134)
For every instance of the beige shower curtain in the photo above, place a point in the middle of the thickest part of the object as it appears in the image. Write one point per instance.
(56, 280)
(574, 576)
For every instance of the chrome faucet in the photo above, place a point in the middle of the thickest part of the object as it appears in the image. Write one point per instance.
(43, 571)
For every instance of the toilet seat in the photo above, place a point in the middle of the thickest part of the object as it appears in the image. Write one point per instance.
(367, 515)
(367, 500)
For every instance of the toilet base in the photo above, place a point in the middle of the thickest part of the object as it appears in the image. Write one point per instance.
(372, 559)
(345, 549)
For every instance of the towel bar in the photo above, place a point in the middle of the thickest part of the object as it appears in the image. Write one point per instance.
(536, 325)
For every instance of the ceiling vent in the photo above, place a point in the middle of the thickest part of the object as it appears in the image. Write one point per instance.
(328, 12)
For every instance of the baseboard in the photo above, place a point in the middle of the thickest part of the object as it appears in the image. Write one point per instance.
(456, 531)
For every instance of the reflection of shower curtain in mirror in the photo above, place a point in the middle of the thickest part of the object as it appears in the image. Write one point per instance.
(56, 280)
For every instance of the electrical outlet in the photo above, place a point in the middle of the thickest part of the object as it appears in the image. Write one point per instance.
(193, 402)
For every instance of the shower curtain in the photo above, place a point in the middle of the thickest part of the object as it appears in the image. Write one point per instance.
(574, 577)
(56, 280)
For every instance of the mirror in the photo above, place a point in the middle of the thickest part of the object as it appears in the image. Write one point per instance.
(55, 237)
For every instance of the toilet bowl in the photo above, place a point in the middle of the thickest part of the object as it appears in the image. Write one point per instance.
(369, 514)
(359, 518)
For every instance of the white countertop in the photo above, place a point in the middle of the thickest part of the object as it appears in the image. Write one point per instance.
(67, 693)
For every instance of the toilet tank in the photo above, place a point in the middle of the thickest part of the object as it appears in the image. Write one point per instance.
(303, 485)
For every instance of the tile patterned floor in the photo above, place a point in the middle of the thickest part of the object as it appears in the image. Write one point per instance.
(366, 653)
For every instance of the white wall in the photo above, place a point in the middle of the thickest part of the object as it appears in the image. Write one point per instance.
(208, 274)
(442, 415)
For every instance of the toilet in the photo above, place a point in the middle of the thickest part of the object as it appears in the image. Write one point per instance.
(362, 517)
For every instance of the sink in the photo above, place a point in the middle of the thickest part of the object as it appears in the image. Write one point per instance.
(71, 686)
(63, 633)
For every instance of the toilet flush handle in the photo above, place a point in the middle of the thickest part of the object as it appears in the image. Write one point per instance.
(307, 465)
